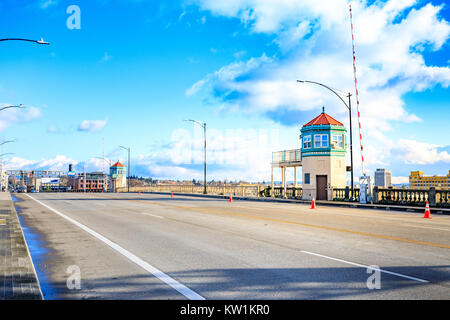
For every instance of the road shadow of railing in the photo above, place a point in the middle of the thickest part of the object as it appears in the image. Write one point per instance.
(268, 283)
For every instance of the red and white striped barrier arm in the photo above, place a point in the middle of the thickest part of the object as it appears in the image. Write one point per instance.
(357, 95)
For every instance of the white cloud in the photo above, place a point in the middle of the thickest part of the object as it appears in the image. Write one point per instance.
(15, 115)
(415, 152)
(400, 180)
(106, 57)
(239, 54)
(53, 129)
(44, 4)
(92, 125)
(195, 88)
(182, 14)
(59, 163)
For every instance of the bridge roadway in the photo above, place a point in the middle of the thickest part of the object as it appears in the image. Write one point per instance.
(148, 246)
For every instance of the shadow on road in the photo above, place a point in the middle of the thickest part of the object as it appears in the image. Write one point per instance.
(264, 283)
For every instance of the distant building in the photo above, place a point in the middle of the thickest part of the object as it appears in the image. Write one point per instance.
(383, 178)
(89, 182)
(118, 174)
(418, 180)
(3, 180)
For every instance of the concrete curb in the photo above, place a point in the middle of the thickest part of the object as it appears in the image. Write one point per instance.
(386, 207)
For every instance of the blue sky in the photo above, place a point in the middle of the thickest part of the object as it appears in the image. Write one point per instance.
(136, 69)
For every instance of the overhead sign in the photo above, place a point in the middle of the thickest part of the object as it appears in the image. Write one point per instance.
(50, 180)
(71, 173)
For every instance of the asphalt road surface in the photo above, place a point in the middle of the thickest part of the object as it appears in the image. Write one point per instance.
(148, 246)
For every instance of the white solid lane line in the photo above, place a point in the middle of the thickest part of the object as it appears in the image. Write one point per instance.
(364, 266)
(185, 291)
(152, 215)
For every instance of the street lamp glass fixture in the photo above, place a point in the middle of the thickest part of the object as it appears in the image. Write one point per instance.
(42, 42)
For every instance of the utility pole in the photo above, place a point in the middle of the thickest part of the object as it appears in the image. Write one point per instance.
(204, 158)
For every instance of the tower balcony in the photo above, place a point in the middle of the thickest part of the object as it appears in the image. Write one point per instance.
(287, 158)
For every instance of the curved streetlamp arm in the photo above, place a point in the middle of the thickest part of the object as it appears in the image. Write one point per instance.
(320, 84)
(4, 154)
(4, 142)
(108, 161)
(197, 122)
(19, 39)
(19, 106)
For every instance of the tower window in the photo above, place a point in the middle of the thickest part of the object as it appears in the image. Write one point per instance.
(338, 141)
(307, 142)
(307, 178)
(321, 141)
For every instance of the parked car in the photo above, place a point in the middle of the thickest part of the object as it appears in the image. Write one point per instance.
(22, 189)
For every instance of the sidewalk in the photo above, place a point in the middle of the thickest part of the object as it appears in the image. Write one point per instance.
(18, 280)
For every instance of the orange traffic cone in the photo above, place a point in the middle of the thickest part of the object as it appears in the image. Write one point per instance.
(427, 211)
(313, 203)
(231, 198)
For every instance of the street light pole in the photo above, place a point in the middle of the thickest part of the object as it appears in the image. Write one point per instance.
(349, 107)
(351, 143)
(203, 125)
(1, 163)
(204, 158)
(128, 179)
(1, 171)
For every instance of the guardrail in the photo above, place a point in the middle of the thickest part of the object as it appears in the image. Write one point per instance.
(411, 197)
(291, 192)
(436, 198)
(343, 194)
(242, 191)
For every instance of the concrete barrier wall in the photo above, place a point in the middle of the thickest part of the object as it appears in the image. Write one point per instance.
(243, 191)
